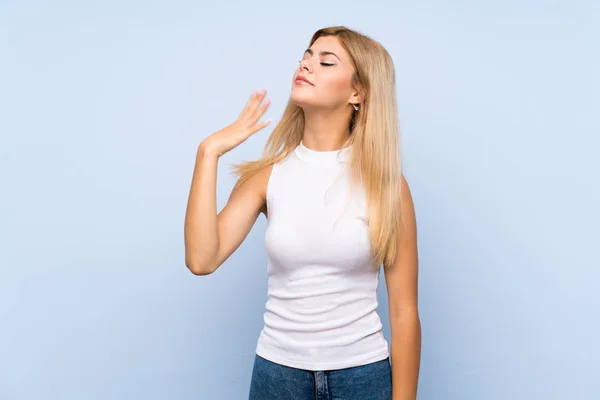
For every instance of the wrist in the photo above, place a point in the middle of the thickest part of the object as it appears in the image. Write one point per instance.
(207, 149)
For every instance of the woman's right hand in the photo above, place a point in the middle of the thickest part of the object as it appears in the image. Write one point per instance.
(245, 126)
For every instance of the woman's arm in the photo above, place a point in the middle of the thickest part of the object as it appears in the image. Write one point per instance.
(210, 238)
(402, 280)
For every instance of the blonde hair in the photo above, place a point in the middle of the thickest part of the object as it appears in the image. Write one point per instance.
(374, 136)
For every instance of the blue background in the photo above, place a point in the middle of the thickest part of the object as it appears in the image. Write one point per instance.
(103, 105)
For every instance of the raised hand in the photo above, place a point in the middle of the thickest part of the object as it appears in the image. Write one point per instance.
(245, 126)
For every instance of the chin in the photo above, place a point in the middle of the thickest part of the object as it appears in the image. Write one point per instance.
(303, 100)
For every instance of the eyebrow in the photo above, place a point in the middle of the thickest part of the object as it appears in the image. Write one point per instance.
(323, 53)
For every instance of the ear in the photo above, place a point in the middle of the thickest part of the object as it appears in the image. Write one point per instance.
(356, 97)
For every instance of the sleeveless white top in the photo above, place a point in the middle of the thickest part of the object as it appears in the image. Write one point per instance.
(321, 310)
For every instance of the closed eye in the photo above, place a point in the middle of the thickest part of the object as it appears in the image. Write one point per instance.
(327, 64)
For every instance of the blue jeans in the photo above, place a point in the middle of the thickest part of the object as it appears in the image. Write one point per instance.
(272, 381)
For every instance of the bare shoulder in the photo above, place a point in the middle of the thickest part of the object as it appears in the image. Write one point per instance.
(407, 207)
(257, 183)
(255, 186)
(405, 194)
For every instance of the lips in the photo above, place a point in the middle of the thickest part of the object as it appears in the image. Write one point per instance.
(301, 80)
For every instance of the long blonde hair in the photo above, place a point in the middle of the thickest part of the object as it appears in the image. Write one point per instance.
(374, 136)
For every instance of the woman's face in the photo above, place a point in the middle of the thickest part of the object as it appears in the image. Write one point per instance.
(327, 71)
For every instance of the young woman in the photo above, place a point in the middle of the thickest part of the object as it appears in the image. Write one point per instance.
(337, 206)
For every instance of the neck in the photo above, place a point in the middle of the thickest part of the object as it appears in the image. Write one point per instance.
(326, 130)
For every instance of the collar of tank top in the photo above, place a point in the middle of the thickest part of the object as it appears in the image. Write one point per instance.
(335, 157)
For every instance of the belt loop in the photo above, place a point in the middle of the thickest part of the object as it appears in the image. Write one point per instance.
(321, 386)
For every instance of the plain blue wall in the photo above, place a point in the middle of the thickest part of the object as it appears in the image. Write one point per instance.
(103, 106)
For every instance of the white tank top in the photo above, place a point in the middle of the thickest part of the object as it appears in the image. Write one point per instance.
(321, 310)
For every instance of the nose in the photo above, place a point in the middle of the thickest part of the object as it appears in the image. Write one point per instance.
(305, 65)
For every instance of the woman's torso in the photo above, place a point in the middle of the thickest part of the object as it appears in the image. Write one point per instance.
(321, 310)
